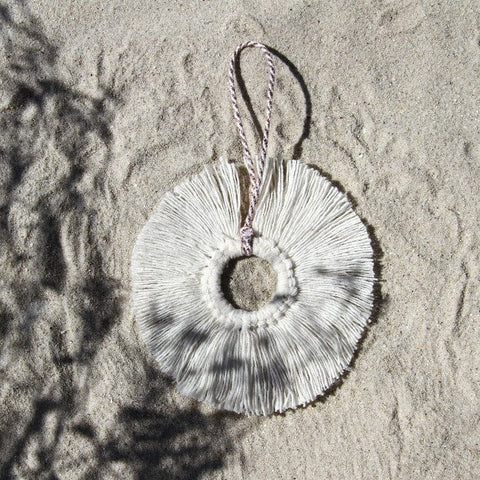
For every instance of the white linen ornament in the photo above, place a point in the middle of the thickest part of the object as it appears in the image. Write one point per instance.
(292, 349)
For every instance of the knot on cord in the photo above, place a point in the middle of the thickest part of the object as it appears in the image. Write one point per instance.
(246, 237)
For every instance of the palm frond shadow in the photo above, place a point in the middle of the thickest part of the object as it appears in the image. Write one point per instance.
(153, 437)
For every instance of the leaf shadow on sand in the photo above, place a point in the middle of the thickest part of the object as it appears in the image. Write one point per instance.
(46, 431)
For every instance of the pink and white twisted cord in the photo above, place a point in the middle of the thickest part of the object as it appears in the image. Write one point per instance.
(255, 174)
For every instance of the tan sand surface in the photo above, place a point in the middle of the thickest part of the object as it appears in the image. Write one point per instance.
(106, 105)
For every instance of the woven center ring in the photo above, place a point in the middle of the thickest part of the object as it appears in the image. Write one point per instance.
(284, 296)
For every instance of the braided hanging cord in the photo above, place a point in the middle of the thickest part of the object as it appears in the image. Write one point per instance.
(255, 174)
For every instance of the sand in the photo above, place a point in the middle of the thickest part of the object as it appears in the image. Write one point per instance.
(105, 106)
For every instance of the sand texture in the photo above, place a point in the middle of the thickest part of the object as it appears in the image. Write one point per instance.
(107, 105)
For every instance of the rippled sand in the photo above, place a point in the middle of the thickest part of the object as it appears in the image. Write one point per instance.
(105, 106)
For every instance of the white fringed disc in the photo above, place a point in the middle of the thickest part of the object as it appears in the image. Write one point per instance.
(291, 350)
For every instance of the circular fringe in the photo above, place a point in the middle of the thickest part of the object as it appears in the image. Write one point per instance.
(291, 350)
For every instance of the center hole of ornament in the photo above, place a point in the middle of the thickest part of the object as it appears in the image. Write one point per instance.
(249, 283)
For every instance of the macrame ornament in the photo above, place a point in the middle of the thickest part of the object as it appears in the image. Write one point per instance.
(292, 349)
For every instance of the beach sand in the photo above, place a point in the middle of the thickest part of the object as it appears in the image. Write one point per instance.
(106, 106)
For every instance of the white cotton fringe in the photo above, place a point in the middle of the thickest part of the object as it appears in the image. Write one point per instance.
(291, 350)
